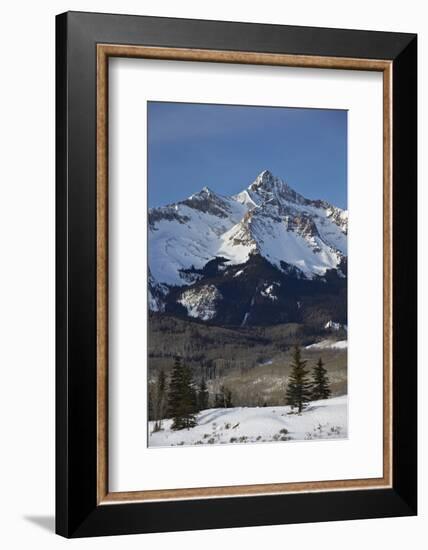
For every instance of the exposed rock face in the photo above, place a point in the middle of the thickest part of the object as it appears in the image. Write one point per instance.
(157, 293)
(201, 302)
(267, 235)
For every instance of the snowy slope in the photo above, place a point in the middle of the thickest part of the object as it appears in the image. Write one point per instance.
(265, 231)
(325, 419)
(268, 218)
(189, 234)
(329, 344)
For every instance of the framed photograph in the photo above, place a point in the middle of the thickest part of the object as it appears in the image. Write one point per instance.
(236, 274)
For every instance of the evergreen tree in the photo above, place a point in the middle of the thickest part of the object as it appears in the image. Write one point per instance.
(203, 396)
(321, 383)
(194, 398)
(298, 392)
(160, 400)
(181, 399)
(151, 403)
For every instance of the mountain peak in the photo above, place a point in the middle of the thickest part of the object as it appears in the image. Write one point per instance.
(267, 187)
(208, 201)
(204, 193)
(268, 217)
(264, 179)
(267, 174)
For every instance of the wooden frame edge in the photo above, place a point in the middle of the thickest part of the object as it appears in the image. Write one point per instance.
(387, 276)
(104, 51)
(241, 57)
(102, 275)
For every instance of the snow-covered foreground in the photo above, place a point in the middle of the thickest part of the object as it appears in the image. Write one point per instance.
(321, 420)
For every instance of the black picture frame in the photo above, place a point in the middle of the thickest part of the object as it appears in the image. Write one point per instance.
(77, 511)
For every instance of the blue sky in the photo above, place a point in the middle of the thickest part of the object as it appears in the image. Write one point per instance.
(225, 147)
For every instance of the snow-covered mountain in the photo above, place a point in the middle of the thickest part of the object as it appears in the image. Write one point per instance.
(206, 240)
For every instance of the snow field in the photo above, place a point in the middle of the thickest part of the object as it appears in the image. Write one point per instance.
(326, 419)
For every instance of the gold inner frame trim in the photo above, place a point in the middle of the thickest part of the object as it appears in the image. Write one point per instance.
(104, 51)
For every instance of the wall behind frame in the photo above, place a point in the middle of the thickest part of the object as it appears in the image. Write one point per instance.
(27, 273)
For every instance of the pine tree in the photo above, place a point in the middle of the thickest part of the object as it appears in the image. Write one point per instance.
(298, 392)
(181, 399)
(160, 400)
(151, 403)
(203, 396)
(321, 383)
(194, 398)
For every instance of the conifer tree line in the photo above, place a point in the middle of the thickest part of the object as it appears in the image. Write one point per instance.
(301, 390)
(298, 392)
(321, 383)
(181, 399)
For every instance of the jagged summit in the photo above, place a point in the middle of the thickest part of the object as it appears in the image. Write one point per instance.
(209, 202)
(268, 216)
(203, 193)
(267, 188)
(266, 180)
